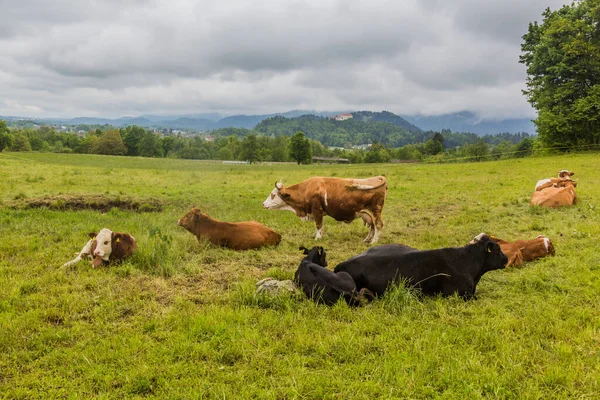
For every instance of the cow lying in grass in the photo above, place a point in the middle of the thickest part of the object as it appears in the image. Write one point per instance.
(549, 182)
(562, 194)
(234, 235)
(105, 247)
(522, 250)
(324, 286)
(441, 271)
(555, 192)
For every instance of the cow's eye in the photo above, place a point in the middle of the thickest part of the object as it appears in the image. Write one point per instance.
(106, 242)
(272, 195)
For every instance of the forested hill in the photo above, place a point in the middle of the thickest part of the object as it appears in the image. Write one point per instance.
(385, 116)
(365, 128)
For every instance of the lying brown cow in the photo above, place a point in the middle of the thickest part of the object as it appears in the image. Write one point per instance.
(522, 250)
(105, 247)
(550, 182)
(342, 199)
(235, 235)
(561, 194)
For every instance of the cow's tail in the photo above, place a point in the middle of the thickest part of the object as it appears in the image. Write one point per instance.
(383, 182)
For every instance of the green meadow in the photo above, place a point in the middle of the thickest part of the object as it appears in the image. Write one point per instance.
(180, 319)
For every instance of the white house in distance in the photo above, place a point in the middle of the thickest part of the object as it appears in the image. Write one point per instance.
(342, 117)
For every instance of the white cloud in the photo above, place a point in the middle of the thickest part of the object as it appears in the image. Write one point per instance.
(115, 58)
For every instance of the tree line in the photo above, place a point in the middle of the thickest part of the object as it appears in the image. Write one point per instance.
(254, 146)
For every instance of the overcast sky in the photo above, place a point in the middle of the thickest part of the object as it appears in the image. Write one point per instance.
(114, 58)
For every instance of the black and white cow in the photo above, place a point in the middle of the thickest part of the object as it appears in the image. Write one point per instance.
(440, 271)
(324, 286)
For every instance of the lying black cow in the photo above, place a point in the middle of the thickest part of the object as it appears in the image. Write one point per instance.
(440, 271)
(322, 285)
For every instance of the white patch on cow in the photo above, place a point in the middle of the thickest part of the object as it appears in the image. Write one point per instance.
(325, 199)
(103, 244)
(319, 233)
(478, 238)
(547, 243)
(306, 218)
(541, 182)
(86, 251)
(375, 235)
(274, 202)
(365, 187)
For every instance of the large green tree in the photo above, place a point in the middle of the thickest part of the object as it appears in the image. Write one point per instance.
(300, 148)
(562, 55)
(133, 137)
(249, 149)
(5, 139)
(110, 143)
(150, 146)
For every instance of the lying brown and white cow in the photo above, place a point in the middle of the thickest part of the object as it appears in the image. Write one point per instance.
(550, 182)
(342, 199)
(106, 246)
(522, 250)
(235, 235)
(560, 194)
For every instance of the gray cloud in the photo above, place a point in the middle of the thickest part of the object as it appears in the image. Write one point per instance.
(115, 58)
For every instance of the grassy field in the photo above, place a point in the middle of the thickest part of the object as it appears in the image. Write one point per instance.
(180, 319)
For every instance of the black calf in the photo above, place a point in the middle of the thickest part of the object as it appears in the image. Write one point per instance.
(441, 271)
(323, 285)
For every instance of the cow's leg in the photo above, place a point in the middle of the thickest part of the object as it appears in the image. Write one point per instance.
(368, 220)
(317, 213)
(86, 251)
(377, 220)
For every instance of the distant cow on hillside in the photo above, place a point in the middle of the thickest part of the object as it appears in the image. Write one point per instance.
(342, 199)
(234, 235)
(106, 246)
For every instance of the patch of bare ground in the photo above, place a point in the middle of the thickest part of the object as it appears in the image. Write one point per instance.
(88, 202)
(165, 290)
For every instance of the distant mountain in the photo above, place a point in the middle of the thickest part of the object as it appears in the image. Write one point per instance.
(456, 122)
(468, 122)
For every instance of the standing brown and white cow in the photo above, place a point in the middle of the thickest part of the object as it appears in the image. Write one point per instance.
(342, 199)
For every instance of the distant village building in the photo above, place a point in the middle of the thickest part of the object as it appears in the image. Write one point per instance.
(209, 138)
(331, 160)
(342, 117)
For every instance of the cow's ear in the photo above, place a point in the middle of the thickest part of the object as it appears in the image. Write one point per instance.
(92, 235)
(284, 195)
(571, 173)
(116, 237)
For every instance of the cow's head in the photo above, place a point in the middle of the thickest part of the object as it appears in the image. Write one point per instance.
(565, 174)
(191, 219)
(315, 255)
(494, 257)
(276, 200)
(103, 249)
